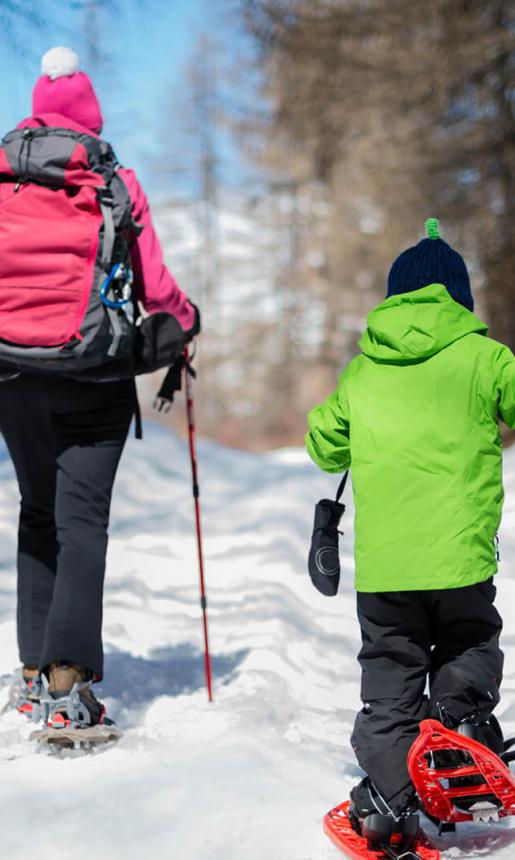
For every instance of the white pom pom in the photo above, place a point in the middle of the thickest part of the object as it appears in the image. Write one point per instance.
(59, 62)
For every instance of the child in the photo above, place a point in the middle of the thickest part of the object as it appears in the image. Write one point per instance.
(416, 418)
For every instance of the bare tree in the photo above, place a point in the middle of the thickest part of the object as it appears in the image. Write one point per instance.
(406, 109)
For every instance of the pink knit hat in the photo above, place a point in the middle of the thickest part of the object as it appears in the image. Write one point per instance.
(63, 89)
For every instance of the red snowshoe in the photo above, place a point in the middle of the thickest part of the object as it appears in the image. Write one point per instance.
(456, 778)
(376, 843)
(459, 779)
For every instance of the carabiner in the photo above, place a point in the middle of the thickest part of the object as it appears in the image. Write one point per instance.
(117, 272)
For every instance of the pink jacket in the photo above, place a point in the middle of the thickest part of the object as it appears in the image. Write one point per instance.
(155, 287)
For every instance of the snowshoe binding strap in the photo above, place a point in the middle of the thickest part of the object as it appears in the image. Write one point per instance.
(480, 787)
(23, 693)
(386, 843)
(383, 830)
(68, 709)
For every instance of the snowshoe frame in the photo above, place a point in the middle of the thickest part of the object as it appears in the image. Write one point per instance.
(438, 798)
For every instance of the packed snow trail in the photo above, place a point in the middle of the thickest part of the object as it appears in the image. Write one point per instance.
(250, 776)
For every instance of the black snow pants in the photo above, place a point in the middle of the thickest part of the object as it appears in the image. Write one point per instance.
(65, 439)
(447, 638)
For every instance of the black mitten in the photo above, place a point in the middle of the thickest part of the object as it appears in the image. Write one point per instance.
(324, 560)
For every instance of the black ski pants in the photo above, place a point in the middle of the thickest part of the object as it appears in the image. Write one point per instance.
(65, 439)
(447, 638)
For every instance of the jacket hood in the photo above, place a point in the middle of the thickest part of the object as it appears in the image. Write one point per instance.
(414, 326)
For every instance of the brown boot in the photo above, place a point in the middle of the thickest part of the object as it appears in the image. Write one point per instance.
(62, 679)
(29, 673)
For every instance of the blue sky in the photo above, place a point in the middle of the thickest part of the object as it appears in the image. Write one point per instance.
(147, 47)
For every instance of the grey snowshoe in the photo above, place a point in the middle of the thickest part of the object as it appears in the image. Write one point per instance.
(71, 714)
(22, 693)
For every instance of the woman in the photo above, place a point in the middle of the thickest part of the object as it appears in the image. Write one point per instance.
(65, 438)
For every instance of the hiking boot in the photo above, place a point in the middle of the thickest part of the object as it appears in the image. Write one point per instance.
(70, 701)
(485, 729)
(372, 818)
(481, 726)
(28, 673)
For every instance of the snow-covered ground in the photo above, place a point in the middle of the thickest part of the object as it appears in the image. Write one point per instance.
(250, 776)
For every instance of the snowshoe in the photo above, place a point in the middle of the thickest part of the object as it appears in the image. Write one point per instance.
(458, 778)
(377, 836)
(72, 717)
(22, 693)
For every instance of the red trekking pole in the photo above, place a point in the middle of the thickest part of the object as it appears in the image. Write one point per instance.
(189, 375)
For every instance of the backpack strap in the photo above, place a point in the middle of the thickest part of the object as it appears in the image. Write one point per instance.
(106, 203)
(138, 424)
(341, 487)
(105, 200)
(117, 328)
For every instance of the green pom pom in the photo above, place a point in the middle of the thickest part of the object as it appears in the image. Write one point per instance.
(433, 228)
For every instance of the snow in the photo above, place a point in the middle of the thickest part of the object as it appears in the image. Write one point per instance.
(250, 776)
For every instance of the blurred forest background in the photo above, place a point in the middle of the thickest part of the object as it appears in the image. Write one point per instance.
(304, 148)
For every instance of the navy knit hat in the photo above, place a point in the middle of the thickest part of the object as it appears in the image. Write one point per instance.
(432, 261)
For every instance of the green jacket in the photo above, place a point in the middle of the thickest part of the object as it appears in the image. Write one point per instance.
(416, 417)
